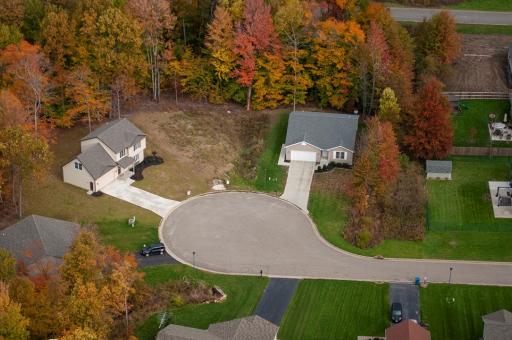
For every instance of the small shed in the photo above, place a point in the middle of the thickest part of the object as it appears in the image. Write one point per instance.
(439, 170)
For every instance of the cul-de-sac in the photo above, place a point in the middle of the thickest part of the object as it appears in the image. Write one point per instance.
(256, 169)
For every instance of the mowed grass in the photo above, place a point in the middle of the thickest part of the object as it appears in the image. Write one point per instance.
(50, 196)
(330, 216)
(461, 319)
(484, 5)
(484, 29)
(464, 203)
(470, 126)
(326, 309)
(243, 294)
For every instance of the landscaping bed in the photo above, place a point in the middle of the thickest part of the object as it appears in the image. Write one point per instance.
(327, 309)
(243, 294)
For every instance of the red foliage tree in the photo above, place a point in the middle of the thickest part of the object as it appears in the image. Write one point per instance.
(430, 132)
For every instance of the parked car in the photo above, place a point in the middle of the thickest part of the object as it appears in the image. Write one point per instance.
(153, 249)
(396, 312)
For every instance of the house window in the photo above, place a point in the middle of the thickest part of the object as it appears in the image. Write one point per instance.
(136, 146)
(78, 166)
(136, 157)
(339, 155)
(122, 153)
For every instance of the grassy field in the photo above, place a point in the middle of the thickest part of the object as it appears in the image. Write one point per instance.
(51, 197)
(484, 29)
(484, 5)
(243, 294)
(470, 126)
(323, 309)
(461, 319)
(267, 165)
(463, 204)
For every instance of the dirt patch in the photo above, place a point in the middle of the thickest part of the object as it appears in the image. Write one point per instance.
(336, 182)
(482, 65)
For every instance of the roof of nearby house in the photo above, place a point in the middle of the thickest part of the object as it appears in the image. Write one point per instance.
(37, 237)
(117, 135)
(439, 167)
(248, 328)
(126, 162)
(323, 130)
(407, 330)
(96, 161)
(498, 325)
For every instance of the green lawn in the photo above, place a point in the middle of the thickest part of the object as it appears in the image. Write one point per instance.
(267, 164)
(461, 319)
(463, 204)
(484, 5)
(243, 294)
(470, 126)
(326, 309)
(484, 29)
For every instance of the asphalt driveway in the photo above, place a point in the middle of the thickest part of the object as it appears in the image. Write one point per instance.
(409, 296)
(461, 16)
(245, 233)
(275, 299)
(298, 183)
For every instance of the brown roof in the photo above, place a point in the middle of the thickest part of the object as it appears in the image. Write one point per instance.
(407, 330)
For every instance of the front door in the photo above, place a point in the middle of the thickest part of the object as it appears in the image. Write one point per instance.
(91, 186)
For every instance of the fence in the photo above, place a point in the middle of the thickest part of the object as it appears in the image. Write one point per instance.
(480, 151)
(477, 95)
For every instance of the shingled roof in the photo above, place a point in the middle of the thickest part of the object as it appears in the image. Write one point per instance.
(248, 328)
(96, 161)
(323, 130)
(407, 330)
(37, 237)
(117, 135)
(498, 325)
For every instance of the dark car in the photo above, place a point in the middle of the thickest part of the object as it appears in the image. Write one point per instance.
(396, 312)
(153, 249)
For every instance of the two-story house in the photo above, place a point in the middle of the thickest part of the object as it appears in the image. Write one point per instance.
(106, 153)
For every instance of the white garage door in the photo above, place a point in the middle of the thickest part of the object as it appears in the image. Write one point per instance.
(305, 156)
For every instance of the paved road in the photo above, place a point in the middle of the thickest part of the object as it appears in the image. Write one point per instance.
(121, 188)
(243, 233)
(461, 16)
(409, 296)
(276, 297)
(298, 183)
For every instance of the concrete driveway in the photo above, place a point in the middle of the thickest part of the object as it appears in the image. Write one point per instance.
(298, 183)
(461, 16)
(409, 296)
(243, 233)
(121, 188)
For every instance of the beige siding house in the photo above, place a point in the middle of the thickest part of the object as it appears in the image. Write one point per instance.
(108, 152)
(320, 137)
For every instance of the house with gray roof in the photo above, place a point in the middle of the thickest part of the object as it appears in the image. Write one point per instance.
(498, 325)
(320, 137)
(108, 152)
(248, 328)
(39, 242)
(439, 169)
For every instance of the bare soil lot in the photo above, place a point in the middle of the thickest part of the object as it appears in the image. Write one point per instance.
(482, 65)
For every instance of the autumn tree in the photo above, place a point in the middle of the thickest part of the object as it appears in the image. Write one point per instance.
(7, 265)
(220, 43)
(253, 37)
(430, 131)
(389, 110)
(9, 35)
(332, 50)
(195, 75)
(57, 37)
(13, 325)
(157, 21)
(27, 70)
(12, 12)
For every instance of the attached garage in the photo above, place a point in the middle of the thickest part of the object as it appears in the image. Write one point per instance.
(305, 156)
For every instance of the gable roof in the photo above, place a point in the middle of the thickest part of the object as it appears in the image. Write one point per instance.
(96, 161)
(407, 330)
(36, 237)
(323, 130)
(117, 135)
(439, 167)
(498, 325)
(248, 328)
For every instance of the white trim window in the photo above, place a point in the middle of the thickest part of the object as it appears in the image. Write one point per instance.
(78, 165)
(136, 146)
(122, 153)
(340, 155)
(136, 158)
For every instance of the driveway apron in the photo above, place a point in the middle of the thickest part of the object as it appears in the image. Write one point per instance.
(275, 299)
(298, 183)
(409, 296)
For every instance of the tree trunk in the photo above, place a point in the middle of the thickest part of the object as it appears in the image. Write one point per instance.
(118, 94)
(126, 314)
(249, 93)
(89, 118)
(20, 190)
(176, 87)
